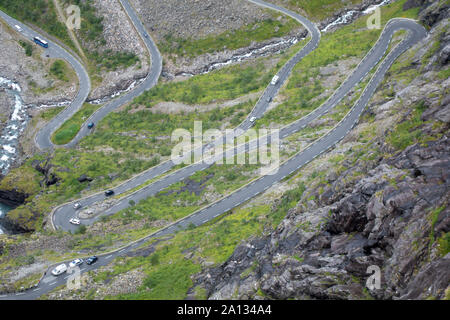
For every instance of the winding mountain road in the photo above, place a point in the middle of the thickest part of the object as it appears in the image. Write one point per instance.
(63, 213)
(258, 186)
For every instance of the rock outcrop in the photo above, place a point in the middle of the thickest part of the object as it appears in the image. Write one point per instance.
(47, 170)
(12, 197)
(325, 253)
(432, 11)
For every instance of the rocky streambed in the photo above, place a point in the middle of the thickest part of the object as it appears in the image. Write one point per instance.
(211, 62)
(349, 16)
(9, 138)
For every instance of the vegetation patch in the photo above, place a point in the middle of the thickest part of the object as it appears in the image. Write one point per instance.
(229, 40)
(59, 69)
(408, 132)
(111, 61)
(217, 242)
(28, 47)
(71, 127)
(321, 9)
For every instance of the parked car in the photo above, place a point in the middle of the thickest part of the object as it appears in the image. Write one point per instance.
(252, 119)
(75, 263)
(18, 28)
(91, 260)
(75, 221)
(269, 99)
(77, 206)
(90, 125)
(59, 269)
(109, 193)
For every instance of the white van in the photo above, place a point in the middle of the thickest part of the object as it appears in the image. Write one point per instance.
(275, 80)
(59, 269)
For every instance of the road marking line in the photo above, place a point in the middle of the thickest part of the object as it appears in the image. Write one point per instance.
(37, 289)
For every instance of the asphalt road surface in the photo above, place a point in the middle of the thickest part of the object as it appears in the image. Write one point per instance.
(258, 186)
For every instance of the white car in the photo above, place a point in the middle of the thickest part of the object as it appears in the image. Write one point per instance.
(75, 221)
(77, 206)
(75, 263)
(18, 28)
(59, 269)
(275, 80)
(252, 119)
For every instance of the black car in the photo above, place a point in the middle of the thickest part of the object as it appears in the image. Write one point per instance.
(90, 125)
(91, 260)
(109, 193)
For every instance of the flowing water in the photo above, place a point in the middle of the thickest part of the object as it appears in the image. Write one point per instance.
(9, 138)
(3, 210)
(352, 14)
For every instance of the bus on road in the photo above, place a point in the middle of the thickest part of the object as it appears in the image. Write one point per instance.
(41, 42)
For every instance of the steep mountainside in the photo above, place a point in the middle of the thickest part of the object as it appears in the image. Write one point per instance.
(383, 206)
(378, 198)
